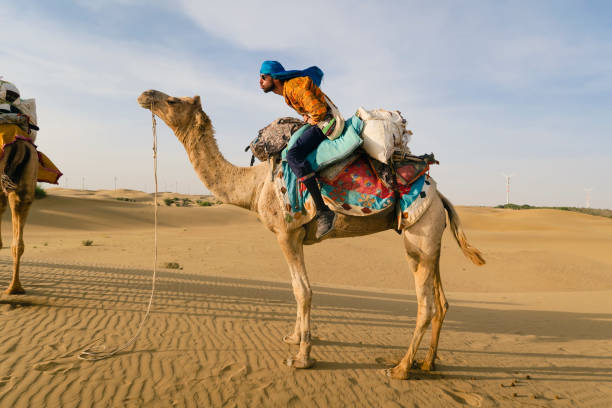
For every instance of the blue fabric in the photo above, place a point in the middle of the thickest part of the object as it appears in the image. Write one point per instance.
(330, 151)
(276, 70)
(297, 199)
(415, 189)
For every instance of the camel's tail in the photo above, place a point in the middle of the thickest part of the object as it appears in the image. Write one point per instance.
(14, 160)
(469, 251)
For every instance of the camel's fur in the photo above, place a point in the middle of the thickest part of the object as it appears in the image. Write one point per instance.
(252, 188)
(23, 156)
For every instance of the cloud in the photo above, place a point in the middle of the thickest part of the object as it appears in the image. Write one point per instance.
(410, 52)
(497, 81)
(86, 87)
(107, 67)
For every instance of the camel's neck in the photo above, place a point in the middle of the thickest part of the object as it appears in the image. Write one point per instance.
(229, 183)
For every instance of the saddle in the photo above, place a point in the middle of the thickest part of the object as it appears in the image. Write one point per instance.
(351, 182)
(403, 168)
(360, 186)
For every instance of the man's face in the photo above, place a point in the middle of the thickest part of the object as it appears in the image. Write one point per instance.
(266, 83)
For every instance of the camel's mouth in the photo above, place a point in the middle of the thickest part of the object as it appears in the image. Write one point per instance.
(148, 98)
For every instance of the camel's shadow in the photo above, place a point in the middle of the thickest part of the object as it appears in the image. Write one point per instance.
(94, 283)
(179, 293)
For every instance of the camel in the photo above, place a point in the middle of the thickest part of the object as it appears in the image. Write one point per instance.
(20, 160)
(252, 188)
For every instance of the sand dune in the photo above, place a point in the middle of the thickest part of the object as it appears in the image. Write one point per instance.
(531, 328)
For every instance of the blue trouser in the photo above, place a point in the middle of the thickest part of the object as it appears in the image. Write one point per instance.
(303, 146)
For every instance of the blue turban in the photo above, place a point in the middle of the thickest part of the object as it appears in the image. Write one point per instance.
(276, 70)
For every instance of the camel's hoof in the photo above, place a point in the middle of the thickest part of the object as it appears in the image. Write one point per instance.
(425, 366)
(300, 362)
(295, 340)
(15, 291)
(396, 373)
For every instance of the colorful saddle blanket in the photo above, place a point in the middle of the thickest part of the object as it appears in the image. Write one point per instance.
(353, 188)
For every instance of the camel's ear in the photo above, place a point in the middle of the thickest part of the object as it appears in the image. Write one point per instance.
(196, 100)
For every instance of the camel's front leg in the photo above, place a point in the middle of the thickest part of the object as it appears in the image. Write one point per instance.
(295, 337)
(293, 249)
(20, 206)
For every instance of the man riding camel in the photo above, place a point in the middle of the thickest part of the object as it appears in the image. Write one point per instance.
(301, 92)
(13, 122)
(16, 125)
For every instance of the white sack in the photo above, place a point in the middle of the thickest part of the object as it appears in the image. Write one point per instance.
(383, 132)
(28, 107)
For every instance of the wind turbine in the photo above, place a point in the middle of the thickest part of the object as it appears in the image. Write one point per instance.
(507, 186)
(587, 203)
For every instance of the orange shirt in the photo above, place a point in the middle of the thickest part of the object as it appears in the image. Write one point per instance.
(305, 97)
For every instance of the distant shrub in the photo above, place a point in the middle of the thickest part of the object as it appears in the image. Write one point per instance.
(202, 203)
(125, 199)
(590, 211)
(172, 265)
(39, 192)
(87, 242)
(179, 202)
(511, 206)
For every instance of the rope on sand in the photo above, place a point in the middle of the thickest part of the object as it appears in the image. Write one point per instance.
(96, 351)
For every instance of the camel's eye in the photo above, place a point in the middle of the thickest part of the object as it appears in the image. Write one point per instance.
(171, 101)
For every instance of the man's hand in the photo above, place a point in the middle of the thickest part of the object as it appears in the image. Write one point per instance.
(308, 120)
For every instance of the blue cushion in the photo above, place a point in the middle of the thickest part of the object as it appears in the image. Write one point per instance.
(331, 151)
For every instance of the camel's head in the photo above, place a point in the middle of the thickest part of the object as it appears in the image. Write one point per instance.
(176, 112)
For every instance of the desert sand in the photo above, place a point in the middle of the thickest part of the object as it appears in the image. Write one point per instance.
(533, 327)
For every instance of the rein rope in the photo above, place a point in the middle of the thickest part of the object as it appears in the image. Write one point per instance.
(98, 352)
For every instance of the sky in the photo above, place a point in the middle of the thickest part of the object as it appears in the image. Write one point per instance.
(520, 88)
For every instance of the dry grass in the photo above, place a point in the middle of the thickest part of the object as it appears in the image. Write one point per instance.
(600, 212)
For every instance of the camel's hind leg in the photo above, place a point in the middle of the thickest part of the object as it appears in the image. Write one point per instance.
(436, 322)
(422, 242)
(20, 202)
(292, 246)
(424, 283)
(22, 165)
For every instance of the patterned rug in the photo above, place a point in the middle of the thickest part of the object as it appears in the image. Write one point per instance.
(353, 190)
